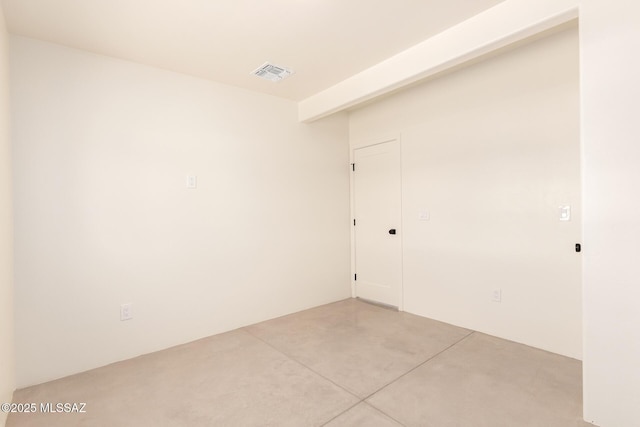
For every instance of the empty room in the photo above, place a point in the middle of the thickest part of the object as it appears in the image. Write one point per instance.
(319, 213)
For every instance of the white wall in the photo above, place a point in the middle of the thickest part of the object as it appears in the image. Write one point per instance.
(506, 23)
(491, 151)
(7, 377)
(610, 41)
(101, 152)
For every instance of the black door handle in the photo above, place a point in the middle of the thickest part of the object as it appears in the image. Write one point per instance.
(392, 231)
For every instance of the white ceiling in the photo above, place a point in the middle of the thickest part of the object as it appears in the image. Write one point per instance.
(323, 41)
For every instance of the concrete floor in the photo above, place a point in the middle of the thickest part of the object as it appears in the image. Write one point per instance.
(344, 364)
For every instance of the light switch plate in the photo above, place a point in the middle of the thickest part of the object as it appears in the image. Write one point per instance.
(192, 181)
(565, 213)
(423, 215)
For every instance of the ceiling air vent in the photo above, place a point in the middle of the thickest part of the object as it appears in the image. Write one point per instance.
(272, 72)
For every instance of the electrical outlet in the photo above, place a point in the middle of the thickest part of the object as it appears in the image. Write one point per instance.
(496, 295)
(126, 311)
(192, 182)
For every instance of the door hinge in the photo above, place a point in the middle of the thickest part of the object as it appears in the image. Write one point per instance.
(354, 222)
(355, 277)
(353, 167)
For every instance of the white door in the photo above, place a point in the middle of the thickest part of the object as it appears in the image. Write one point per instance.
(378, 244)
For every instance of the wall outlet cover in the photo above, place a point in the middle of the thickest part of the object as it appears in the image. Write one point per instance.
(192, 181)
(126, 311)
(496, 295)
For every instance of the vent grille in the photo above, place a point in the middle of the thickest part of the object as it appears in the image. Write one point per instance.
(273, 73)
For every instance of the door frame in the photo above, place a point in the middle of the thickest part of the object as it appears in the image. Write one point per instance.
(353, 146)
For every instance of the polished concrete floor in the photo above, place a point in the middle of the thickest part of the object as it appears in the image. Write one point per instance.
(344, 364)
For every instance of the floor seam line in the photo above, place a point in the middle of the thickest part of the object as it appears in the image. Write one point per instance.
(342, 413)
(384, 413)
(419, 365)
(288, 356)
